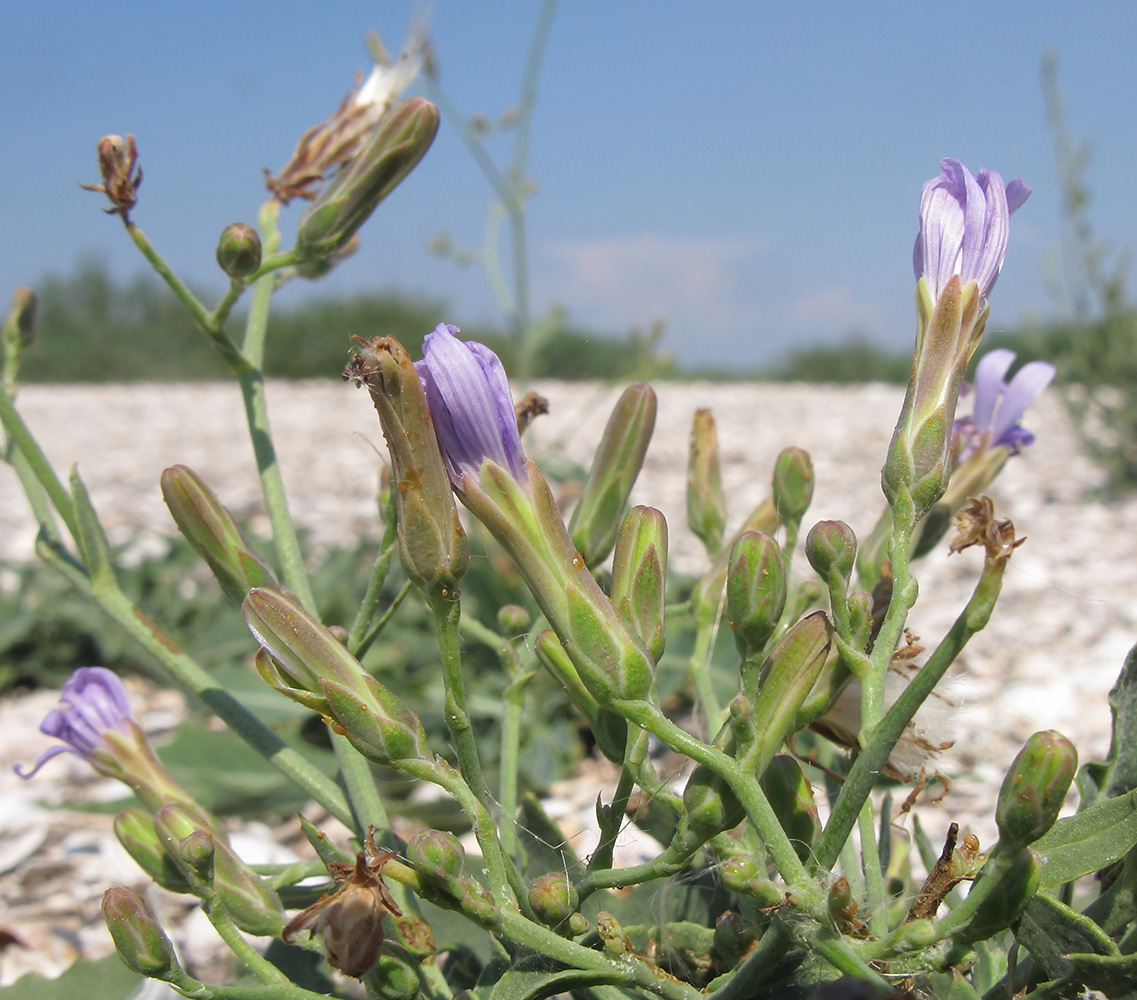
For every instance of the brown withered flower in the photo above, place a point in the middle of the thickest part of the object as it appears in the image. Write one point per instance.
(976, 524)
(332, 143)
(350, 920)
(118, 164)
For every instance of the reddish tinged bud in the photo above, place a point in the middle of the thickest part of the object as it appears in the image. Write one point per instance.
(554, 899)
(140, 941)
(706, 506)
(437, 855)
(1035, 787)
(239, 250)
(831, 545)
(793, 484)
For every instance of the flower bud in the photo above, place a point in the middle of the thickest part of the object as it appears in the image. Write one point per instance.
(1035, 788)
(399, 141)
(738, 870)
(791, 797)
(140, 941)
(755, 590)
(831, 545)
(554, 899)
(20, 323)
(432, 542)
(209, 527)
(512, 619)
(792, 484)
(250, 901)
(189, 845)
(617, 463)
(134, 828)
(709, 808)
(639, 576)
(394, 978)
(437, 855)
(239, 250)
(706, 505)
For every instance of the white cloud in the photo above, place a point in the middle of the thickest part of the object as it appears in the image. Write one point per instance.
(626, 280)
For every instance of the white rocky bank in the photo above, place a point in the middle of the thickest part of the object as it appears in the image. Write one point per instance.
(1066, 619)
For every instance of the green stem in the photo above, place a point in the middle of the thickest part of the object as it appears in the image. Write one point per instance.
(700, 670)
(876, 896)
(511, 748)
(33, 490)
(251, 379)
(364, 797)
(256, 963)
(612, 817)
(806, 893)
(367, 608)
(205, 320)
(866, 768)
(837, 951)
(37, 462)
(376, 630)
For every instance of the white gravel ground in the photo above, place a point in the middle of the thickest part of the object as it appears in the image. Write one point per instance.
(1067, 617)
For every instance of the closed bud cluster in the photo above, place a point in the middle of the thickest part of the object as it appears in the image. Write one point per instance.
(139, 940)
(432, 542)
(399, 141)
(134, 828)
(639, 576)
(706, 505)
(755, 591)
(831, 546)
(239, 250)
(213, 532)
(792, 484)
(617, 463)
(1035, 788)
(554, 899)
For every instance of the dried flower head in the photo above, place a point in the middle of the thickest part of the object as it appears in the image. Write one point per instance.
(332, 143)
(350, 920)
(118, 159)
(975, 524)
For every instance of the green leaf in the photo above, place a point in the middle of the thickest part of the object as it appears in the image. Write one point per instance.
(531, 979)
(92, 539)
(951, 986)
(1051, 931)
(106, 979)
(1088, 842)
(1119, 773)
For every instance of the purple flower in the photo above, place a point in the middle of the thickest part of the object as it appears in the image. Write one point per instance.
(1000, 405)
(93, 701)
(964, 224)
(471, 406)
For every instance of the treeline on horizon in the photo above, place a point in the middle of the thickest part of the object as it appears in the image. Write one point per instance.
(92, 328)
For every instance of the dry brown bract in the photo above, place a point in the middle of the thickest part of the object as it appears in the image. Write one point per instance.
(976, 525)
(350, 920)
(118, 159)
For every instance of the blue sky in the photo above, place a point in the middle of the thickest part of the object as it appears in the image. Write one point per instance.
(749, 170)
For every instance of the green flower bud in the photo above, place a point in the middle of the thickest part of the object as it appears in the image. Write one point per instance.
(394, 978)
(860, 607)
(189, 844)
(432, 542)
(239, 250)
(639, 575)
(209, 527)
(1035, 788)
(134, 828)
(437, 855)
(738, 871)
(616, 941)
(614, 470)
(140, 941)
(755, 591)
(791, 797)
(512, 619)
(792, 484)
(250, 901)
(709, 808)
(554, 899)
(831, 545)
(706, 505)
(399, 141)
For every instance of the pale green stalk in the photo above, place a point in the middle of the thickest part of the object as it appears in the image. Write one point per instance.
(876, 896)
(252, 959)
(376, 630)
